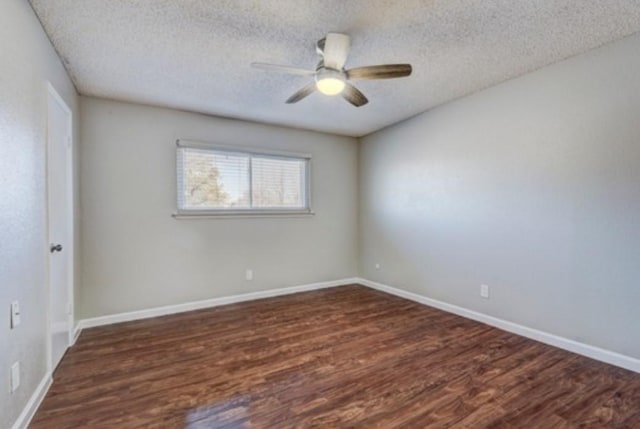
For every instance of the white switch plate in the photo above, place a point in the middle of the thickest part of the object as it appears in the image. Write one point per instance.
(377, 266)
(15, 376)
(249, 275)
(15, 314)
(484, 291)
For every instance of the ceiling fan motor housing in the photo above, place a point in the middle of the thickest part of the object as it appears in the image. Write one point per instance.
(327, 73)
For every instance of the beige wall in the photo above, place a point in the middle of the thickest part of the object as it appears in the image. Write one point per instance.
(28, 62)
(136, 256)
(532, 187)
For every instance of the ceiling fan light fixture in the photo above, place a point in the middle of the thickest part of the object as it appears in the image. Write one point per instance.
(330, 85)
(330, 81)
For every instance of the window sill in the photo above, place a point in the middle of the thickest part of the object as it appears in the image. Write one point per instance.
(243, 214)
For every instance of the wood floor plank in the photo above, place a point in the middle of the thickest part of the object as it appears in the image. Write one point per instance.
(340, 357)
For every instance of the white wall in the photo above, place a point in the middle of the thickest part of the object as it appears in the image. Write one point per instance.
(136, 256)
(532, 187)
(28, 62)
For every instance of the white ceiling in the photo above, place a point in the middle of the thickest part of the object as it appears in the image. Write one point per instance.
(195, 54)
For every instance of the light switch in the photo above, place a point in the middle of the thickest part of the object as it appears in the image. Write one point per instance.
(15, 314)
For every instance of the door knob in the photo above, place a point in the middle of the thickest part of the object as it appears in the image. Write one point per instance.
(56, 248)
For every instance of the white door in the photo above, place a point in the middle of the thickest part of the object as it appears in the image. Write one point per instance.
(60, 220)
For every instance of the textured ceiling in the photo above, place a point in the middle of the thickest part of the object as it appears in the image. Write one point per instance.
(195, 54)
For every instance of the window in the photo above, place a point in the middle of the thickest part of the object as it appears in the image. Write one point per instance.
(227, 181)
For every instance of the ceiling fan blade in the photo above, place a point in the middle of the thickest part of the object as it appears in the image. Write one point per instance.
(336, 50)
(354, 96)
(302, 93)
(283, 69)
(384, 71)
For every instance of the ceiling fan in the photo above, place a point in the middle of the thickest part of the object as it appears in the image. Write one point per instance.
(330, 76)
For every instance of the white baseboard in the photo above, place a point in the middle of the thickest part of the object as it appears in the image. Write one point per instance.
(76, 333)
(592, 352)
(207, 303)
(30, 409)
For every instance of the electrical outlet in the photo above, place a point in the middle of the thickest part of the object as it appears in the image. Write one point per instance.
(484, 291)
(249, 274)
(15, 376)
(15, 314)
(377, 266)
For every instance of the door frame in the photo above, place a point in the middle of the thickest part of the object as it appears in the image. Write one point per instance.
(53, 95)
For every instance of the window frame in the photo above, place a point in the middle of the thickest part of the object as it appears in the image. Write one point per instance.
(249, 152)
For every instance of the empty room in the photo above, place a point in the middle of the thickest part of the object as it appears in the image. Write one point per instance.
(331, 214)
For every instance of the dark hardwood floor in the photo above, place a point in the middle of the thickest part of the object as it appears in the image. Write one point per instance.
(341, 357)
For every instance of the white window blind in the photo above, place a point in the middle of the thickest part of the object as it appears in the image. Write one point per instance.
(278, 182)
(221, 181)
